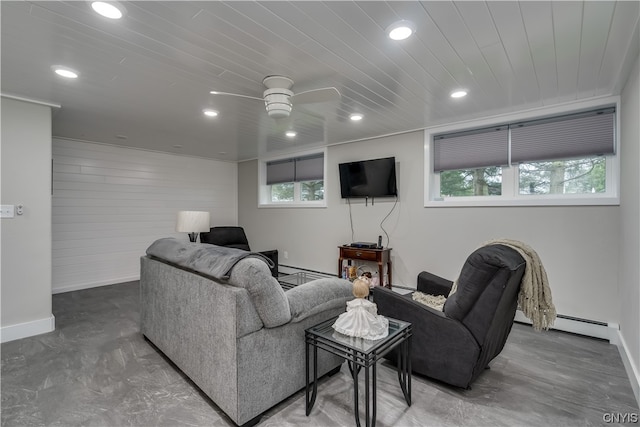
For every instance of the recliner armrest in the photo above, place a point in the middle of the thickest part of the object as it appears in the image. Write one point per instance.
(442, 347)
(395, 305)
(427, 321)
(429, 283)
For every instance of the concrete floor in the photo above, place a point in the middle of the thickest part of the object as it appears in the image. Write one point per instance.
(96, 369)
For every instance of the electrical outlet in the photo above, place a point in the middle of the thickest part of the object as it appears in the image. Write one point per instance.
(7, 211)
(286, 255)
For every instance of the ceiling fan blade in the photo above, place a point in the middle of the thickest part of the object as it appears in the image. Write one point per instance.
(215, 92)
(324, 94)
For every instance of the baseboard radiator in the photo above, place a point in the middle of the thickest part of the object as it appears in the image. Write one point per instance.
(576, 325)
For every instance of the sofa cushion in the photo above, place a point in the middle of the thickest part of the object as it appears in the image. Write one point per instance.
(267, 295)
(211, 260)
(248, 270)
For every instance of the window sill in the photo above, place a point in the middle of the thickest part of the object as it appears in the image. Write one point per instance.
(292, 205)
(537, 201)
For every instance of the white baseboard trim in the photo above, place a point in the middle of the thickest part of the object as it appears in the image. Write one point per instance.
(27, 329)
(609, 332)
(79, 287)
(632, 370)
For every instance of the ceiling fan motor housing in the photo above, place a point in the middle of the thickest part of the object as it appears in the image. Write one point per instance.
(278, 102)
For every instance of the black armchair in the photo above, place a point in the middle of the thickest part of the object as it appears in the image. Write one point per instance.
(455, 345)
(235, 237)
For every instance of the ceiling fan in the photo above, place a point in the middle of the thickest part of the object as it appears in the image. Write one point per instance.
(279, 99)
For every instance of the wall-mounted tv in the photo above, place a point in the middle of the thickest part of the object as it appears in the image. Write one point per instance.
(368, 178)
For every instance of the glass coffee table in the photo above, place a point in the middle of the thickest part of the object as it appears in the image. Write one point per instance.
(359, 353)
(292, 280)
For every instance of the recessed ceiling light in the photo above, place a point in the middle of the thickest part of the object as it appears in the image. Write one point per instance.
(401, 30)
(111, 9)
(66, 72)
(356, 117)
(291, 133)
(459, 93)
(210, 113)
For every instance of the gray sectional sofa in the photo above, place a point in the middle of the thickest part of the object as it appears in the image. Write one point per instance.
(220, 316)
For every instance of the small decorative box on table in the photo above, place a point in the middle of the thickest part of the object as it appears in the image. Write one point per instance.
(359, 353)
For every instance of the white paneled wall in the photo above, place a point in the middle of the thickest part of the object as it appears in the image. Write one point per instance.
(110, 203)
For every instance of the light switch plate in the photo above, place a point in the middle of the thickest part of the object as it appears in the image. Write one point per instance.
(7, 211)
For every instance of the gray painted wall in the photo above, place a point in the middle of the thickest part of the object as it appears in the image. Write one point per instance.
(629, 296)
(579, 245)
(26, 239)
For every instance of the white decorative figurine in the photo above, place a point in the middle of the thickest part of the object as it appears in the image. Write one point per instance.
(361, 318)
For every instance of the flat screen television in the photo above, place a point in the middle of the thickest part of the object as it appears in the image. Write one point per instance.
(368, 178)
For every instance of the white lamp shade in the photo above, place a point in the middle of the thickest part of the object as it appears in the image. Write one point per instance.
(192, 221)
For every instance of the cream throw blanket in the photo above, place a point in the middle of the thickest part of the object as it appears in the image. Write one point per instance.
(534, 298)
(434, 301)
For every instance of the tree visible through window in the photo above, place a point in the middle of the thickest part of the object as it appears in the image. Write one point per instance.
(577, 176)
(309, 191)
(550, 157)
(312, 190)
(282, 192)
(471, 182)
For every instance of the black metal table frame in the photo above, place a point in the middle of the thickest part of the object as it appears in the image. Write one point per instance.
(357, 360)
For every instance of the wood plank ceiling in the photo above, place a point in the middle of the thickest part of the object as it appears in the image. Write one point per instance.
(145, 79)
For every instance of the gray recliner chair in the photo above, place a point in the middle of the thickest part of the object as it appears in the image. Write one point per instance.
(455, 345)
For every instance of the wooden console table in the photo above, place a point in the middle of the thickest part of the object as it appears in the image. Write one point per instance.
(380, 256)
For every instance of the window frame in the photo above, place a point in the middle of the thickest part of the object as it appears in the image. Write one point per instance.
(510, 184)
(264, 193)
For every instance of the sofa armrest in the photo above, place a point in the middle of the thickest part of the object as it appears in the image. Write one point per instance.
(429, 283)
(317, 296)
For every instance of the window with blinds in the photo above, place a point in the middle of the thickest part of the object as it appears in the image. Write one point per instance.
(570, 136)
(294, 180)
(559, 156)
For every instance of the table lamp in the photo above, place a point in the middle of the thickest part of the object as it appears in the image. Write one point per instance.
(192, 222)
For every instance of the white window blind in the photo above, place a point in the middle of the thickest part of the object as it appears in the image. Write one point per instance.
(310, 168)
(280, 171)
(471, 149)
(584, 134)
(295, 169)
(565, 137)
